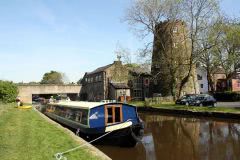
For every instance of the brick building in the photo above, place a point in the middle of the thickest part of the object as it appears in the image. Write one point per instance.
(232, 83)
(219, 79)
(139, 83)
(115, 81)
(96, 84)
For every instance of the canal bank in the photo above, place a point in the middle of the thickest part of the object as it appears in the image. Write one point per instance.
(214, 114)
(195, 111)
(26, 135)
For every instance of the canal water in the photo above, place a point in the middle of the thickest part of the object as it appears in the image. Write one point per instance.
(168, 137)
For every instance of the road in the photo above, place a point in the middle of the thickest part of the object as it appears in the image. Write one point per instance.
(228, 104)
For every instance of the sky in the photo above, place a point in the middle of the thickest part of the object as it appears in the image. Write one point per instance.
(69, 36)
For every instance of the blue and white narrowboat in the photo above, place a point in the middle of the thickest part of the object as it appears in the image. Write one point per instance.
(94, 119)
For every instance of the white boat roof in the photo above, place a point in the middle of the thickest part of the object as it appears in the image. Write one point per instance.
(78, 104)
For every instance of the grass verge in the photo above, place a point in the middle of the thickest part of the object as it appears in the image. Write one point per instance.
(25, 135)
(188, 108)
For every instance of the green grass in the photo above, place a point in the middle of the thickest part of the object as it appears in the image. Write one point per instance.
(27, 136)
(198, 109)
(171, 105)
(137, 103)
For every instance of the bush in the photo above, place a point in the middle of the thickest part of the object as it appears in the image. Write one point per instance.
(227, 96)
(8, 91)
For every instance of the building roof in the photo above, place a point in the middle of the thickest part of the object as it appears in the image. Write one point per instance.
(218, 70)
(140, 71)
(120, 85)
(100, 69)
(78, 104)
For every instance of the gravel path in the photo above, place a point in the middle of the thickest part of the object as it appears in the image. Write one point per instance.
(228, 104)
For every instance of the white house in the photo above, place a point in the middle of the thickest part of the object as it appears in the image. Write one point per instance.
(202, 80)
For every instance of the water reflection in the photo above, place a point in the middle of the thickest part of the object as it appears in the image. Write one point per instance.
(148, 144)
(173, 138)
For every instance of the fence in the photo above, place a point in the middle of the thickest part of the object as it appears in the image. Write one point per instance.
(158, 100)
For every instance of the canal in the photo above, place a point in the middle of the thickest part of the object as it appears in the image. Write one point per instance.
(168, 137)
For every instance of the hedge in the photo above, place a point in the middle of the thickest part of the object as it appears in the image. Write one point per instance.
(8, 91)
(227, 96)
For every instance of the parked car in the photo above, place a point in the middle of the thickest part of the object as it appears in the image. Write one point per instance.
(184, 100)
(35, 98)
(203, 100)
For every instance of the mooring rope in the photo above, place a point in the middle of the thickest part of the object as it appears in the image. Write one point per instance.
(59, 156)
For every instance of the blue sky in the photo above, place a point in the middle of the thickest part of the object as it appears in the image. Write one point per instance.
(72, 37)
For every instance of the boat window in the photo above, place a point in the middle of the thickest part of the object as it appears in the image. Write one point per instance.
(117, 114)
(51, 108)
(84, 117)
(48, 108)
(60, 111)
(113, 114)
(78, 117)
(110, 115)
(68, 114)
(81, 115)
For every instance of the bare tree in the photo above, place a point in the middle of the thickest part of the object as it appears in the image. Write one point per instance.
(123, 53)
(145, 15)
(198, 14)
(65, 78)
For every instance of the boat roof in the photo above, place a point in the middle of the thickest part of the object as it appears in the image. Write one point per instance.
(78, 104)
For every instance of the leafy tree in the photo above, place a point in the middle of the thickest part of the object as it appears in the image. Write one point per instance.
(8, 91)
(207, 59)
(52, 77)
(32, 82)
(228, 49)
(132, 65)
(80, 81)
(220, 46)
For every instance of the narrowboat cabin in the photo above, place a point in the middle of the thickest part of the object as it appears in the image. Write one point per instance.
(94, 119)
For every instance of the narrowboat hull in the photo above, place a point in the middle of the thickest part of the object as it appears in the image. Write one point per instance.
(116, 123)
(124, 137)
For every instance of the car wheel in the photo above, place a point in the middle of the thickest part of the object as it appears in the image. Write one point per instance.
(200, 105)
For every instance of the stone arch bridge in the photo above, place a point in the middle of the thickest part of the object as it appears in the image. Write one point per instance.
(26, 90)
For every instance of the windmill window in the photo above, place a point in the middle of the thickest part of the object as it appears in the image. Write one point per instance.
(175, 45)
(175, 30)
(199, 77)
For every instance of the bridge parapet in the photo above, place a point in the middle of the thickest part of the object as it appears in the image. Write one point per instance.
(27, 90)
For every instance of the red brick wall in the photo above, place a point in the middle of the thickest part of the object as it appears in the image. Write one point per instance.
(235, 84)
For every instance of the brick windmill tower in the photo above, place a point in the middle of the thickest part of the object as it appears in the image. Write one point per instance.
(170, 60)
